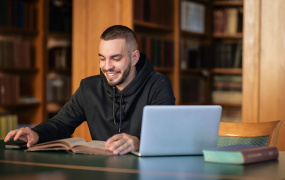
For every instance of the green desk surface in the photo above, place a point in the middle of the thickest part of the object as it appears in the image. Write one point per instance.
(18, 164)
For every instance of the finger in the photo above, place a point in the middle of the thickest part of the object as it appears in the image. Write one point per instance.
(114, 138)
(128, 146)
(19, 133)
(10, 135)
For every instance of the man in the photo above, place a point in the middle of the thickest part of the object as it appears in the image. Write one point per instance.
(112, 102)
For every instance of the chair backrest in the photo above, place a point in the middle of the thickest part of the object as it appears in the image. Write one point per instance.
(262, 133)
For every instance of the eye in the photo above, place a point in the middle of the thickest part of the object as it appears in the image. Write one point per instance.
(117, 58)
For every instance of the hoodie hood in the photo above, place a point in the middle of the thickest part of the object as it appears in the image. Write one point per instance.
(144, 69)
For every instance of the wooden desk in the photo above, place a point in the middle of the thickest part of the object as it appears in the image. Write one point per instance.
(18, 164)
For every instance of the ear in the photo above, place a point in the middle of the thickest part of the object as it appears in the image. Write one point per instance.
(135, 57)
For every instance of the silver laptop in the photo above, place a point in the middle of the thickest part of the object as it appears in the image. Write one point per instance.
(179, 129)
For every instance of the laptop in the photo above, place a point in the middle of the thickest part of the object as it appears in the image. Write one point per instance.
(178, 129)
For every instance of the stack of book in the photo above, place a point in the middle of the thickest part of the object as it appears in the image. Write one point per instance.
(227, 89)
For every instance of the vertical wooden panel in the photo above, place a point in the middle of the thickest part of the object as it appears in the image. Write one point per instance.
(251, 61)
(90, 19)
(176, 85)
(79, 42)
(272, 84)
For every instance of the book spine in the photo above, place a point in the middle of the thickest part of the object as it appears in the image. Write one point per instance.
(260, 154)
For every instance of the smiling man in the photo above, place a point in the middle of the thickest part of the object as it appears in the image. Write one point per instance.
(112, 102)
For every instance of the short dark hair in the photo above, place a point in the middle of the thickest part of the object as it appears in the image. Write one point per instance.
(120, 32)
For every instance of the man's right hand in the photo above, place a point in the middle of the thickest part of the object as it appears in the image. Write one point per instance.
(24, 134)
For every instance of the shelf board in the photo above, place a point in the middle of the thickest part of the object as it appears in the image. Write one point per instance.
(228, 36)
(60, 70)
(55, 106)
(20, 105)
(164, 69)
(12, 30)
(18, 70)
(228, 3)
(194, 34)
(237, 71)
(152, 25)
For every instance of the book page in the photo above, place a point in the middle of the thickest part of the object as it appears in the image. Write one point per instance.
(92, 147)
(58, 144)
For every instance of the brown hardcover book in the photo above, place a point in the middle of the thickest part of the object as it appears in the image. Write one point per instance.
(74, 145)
(240, 154)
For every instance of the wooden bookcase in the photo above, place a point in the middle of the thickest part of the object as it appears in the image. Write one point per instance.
(22, 27)
(58, 53)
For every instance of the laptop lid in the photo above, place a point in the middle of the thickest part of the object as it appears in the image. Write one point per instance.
(179, 129)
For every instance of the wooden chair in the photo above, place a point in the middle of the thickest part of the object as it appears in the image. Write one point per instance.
(262, 133)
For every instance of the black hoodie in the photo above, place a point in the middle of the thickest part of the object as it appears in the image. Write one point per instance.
(107, 110)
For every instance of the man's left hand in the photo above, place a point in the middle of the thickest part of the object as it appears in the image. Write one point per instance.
(122, 143)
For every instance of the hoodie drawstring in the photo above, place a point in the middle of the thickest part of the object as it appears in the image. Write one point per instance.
(114, 106)
(120, 111)
(114, 117)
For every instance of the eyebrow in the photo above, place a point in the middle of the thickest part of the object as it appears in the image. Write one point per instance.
(115, 55)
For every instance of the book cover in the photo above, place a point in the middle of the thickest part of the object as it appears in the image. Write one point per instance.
(240, 154)
(74, 145)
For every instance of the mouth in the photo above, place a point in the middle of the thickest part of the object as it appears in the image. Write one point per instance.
(111, 75)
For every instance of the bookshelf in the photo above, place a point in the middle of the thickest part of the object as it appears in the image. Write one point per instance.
(59, 60)
(21, 63)
(227, 68)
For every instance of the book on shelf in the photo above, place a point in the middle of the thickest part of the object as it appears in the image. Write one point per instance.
(9, 89)
(228, 54)
(194, 55)
(159, 51)
(192, 16)
(227, 20)
(8, 122)
(58, 87)
(153, 11)
(240, 154)
(192, 89)
(17, 14)
(74, 145)
(15, 52)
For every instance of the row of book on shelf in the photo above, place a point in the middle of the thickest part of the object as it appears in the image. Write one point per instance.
(228, 54)
(227, 20)
(154, 11)
(192, 16)
(159, 51)
(58, 87)
(8, 122)
(60, 57)
(15, 52)
(18, 14)
(10, 91)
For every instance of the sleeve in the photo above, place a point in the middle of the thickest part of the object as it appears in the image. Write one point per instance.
(162, 92)
(65, 122)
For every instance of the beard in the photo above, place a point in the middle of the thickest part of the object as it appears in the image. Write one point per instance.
(123, 78)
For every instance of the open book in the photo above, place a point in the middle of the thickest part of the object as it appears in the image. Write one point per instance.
(75, 145)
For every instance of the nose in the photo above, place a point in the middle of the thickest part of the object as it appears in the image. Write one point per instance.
(108, 65)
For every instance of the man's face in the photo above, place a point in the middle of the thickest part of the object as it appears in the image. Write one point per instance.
(115, 62)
